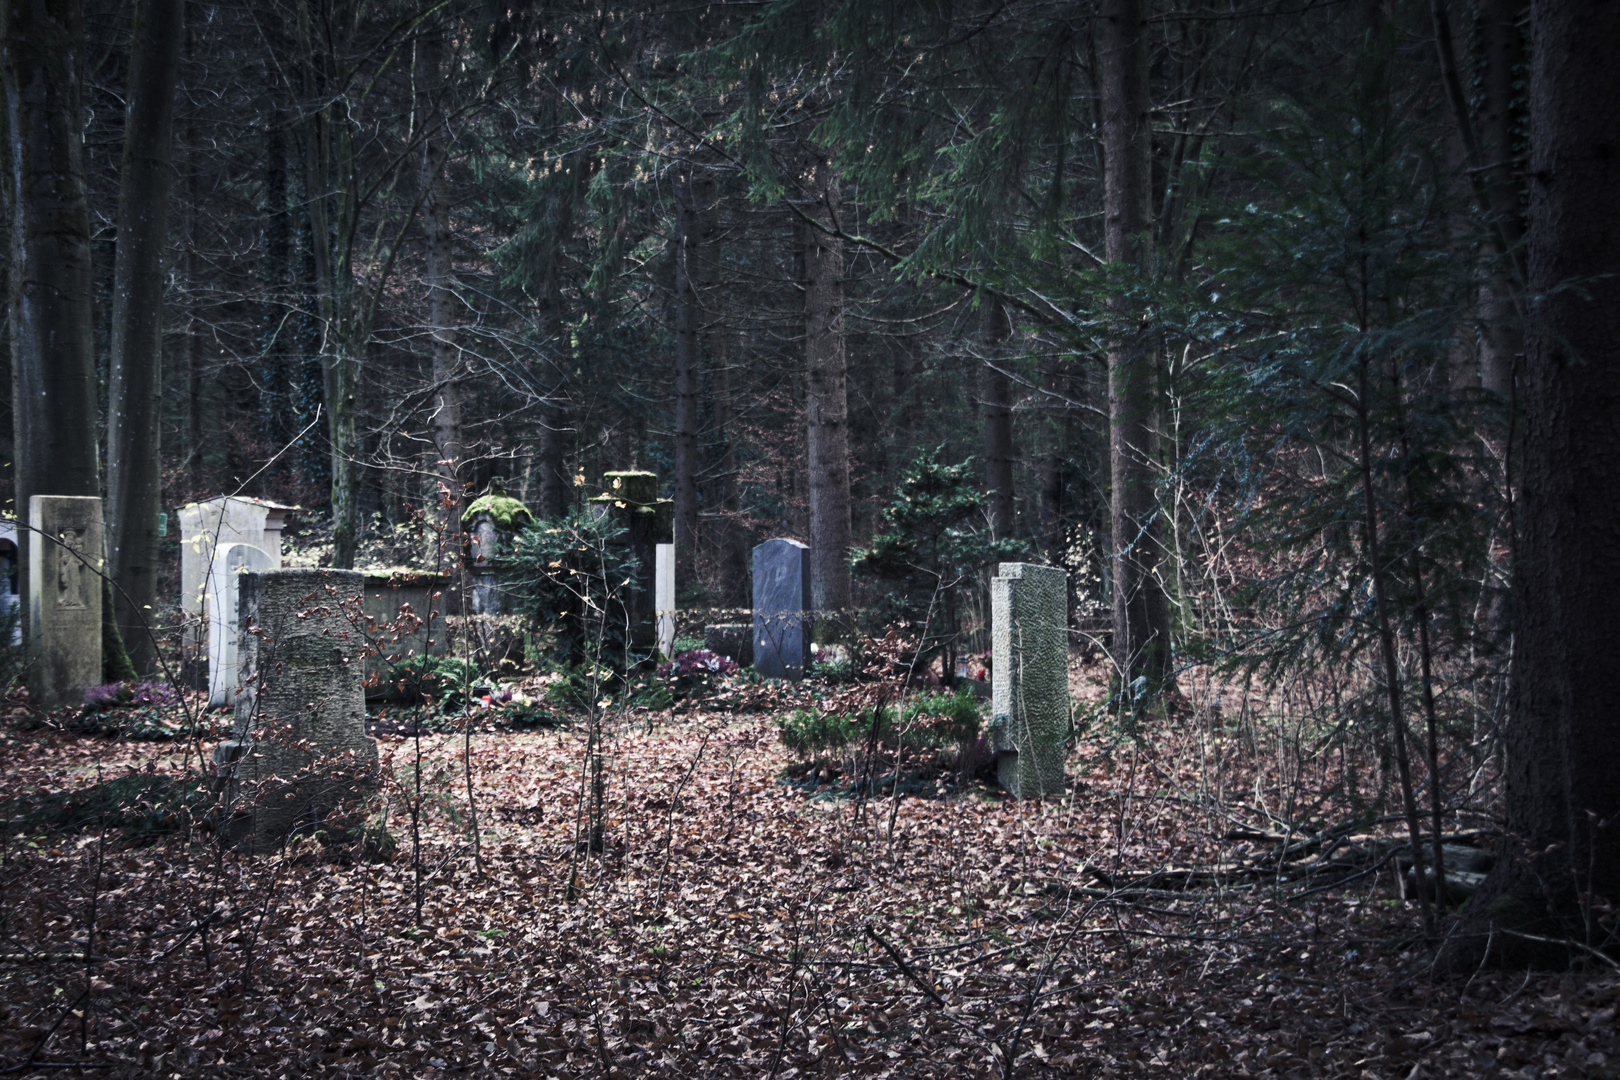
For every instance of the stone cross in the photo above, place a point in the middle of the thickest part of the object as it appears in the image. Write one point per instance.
(298, 750)
(64, 598)
(781, 608)
(221, 590)
(664, 602)
(1029, 698)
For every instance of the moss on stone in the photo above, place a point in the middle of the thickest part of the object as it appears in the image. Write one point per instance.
(508, 513)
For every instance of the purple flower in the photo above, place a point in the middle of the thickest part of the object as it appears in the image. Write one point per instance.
(102, 697)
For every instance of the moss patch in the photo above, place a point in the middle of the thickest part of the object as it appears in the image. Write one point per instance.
(508, 513)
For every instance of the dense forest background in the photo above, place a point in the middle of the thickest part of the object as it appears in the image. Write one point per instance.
(1283, 326)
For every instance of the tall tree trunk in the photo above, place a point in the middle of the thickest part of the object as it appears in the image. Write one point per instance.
(135, 381)
(826, 405)
(690, 203)
(1141, 607)
(52, 363)
(1563, 744)
(276, 407)
(555, 484)
(340, 366)
(438, 275)
(1501, 134)
(996, 401)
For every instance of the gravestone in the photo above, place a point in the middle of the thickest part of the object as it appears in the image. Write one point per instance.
(665, 598)
(221, 590)
(1029, 697)
(781, 608)
(298, 750)
(631, 499)
(206, 529)
(10, 601)
(404, 618)
(735, 640)
(64, 598)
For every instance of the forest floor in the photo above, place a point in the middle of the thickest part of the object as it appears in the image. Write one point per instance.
(738, 925)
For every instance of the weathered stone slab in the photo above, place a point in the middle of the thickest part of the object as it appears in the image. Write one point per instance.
(299, 749)
(1029, 699)
(64, 598)
(735, 640)
(10, 601)
(781, 608)
(220, 593)
(664, 601)
(401, 623)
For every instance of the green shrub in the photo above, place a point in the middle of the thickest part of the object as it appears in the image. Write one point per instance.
(445, 679)
(939, 720)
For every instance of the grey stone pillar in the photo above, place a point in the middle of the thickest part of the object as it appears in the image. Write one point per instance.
(1029, 659)
(64, 598)
(781, 608)
(299, 749)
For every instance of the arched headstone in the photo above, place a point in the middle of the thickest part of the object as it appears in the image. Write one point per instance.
(220, 592)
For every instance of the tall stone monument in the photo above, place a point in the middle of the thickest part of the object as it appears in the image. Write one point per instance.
(491, 520)
(631, 499)
(299, 748)
(1029, 697)
(781, 608)
(665, 599)
(64, 598)
(221, 592)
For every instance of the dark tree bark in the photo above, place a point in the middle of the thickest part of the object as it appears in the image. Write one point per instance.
(1501, 135)
(1563, 745)
(826, 404)
(135, 380)
(692, 195)
(996, 401)
(52, 363)
(438, 275)
(1141, 606)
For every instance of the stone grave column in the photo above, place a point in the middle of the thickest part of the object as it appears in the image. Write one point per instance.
(224, 627)
(490, 521)
(65, 561)
(665, 601)
(632, 499)
(781, 608)
(1029, 697)
(299, 749)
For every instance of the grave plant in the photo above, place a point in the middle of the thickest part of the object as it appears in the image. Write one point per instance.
(934, 538)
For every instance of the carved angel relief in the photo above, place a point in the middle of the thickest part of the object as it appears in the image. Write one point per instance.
(72, 573)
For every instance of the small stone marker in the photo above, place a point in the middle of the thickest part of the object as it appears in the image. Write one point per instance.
(1029, 700)
(221, 590)
(735, 640)
(781, 608)
(665, 600)
(299, 748)
(64, 598)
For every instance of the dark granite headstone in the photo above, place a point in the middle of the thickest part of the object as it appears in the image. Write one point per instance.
(781, 608)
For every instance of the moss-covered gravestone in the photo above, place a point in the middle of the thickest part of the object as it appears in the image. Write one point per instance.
(490, 522)
(631, 499)
(299, 750)
(1029, 652)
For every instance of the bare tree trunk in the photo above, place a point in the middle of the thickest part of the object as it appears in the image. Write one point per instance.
(996, 401)
(438, 275)
(1141, 606)
(1563, 744)
(135, 380)
(826, 405)
(52, 363)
